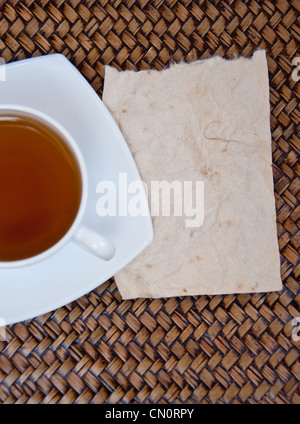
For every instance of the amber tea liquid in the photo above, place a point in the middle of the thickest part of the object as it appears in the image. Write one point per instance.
(40, 186)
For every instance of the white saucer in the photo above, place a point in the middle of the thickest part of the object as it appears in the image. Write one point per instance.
(52, 85)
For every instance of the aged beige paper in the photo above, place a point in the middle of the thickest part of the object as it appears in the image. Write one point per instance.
(204, 121)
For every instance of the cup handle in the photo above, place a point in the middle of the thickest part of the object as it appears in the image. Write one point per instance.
(94, 243)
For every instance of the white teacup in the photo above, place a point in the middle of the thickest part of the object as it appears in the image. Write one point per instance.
(78, 233)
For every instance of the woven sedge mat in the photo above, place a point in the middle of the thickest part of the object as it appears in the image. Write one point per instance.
(206, 349)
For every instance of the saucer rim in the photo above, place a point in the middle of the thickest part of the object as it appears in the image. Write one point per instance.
(148, 227)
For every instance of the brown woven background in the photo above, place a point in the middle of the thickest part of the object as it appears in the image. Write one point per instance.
(221, 349)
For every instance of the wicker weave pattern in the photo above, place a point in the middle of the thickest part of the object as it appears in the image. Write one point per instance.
(221, 349)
